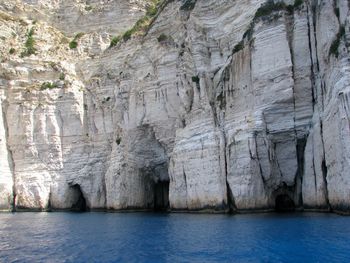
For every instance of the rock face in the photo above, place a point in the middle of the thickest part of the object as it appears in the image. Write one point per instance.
(216, 105)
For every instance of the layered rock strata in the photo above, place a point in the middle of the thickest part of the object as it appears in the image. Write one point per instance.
(217, 106)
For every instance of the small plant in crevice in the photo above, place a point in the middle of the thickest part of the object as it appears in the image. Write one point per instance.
(74, 43)
(188, 5)
(269, 7)
(152, 10)
(48, 85)
(265, 10)
(29, 44)
(162, 38)
(62, 76)
(88, 8)
(238, 47)
(106, 100)
(221, 99)
(337, 12)
(118, 141)
(142, 25)
(298, 3)
(334, 48)
(249, 33)
(195, 79)
(115, 41)
(53, 65)
(127, 34)
(12, 51)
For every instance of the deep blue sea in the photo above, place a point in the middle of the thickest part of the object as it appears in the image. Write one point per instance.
(152, 237)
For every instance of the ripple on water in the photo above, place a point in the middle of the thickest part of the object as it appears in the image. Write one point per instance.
(140, 237)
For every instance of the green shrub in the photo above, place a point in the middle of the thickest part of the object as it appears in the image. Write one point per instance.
(188, 5)
(298, 3)
(127, 35)
(74, 43)
(334, 48)
(31, 32)
(337, 12)
(53, 64)
(162, 38)
(48, 85)
(12, 51)
(29, 44)
(195, 79)
(115, 41)
(151, 10)
(62, 76)
(88, 8)
(143, 23)
(249, 33)
(238, 47)
(269, 7)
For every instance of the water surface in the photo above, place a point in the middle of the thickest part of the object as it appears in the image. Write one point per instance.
(147, 237)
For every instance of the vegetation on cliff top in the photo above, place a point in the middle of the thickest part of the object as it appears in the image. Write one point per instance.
(143, 24)
(270, 7)
(265, 10)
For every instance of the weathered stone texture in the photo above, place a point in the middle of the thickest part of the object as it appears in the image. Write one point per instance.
(228, 111)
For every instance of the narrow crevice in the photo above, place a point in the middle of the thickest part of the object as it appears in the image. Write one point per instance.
(324, 175)
(231, 204)
(49, 205)
(259, 162)
(276, 159)
(315, 34)
(313, 81)
(160, 10)
(185, 181)
(324, 167)
(314, 169)
(9, 155)
(300, 148)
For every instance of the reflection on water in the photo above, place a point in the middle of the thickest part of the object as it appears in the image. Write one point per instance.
(140, 237)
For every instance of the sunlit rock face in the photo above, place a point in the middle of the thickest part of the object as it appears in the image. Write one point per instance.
(216, 106)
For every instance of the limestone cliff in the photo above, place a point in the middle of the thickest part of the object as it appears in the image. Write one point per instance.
(188, 105)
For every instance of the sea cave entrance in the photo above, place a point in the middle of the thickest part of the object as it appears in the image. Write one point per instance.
(161, 196)
(78, 199)
(283, 203)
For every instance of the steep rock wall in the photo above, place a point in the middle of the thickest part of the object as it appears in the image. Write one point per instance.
(231, 105)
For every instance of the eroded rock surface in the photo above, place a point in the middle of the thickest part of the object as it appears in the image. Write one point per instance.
(217, 105)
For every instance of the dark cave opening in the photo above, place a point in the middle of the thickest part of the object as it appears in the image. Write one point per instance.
(161, 196)
(283, 203)
(79, 202)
